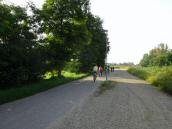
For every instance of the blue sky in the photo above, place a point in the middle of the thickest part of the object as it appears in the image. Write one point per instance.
(134, 26)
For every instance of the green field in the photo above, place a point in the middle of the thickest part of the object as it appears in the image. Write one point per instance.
(122, 67)
(158, 76)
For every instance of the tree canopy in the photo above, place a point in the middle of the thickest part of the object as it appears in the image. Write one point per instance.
(159, 56)
(62, 31)
(20, 59)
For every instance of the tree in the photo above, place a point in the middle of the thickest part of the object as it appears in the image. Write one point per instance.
(159, 56)
(95, 52)
(169, 57)
(145, 60)
(64, 22)
(63, 30)
(19, 52)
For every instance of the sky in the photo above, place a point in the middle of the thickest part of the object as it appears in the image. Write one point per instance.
(134, 26)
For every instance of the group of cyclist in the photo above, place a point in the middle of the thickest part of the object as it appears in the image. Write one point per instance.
(98, 70)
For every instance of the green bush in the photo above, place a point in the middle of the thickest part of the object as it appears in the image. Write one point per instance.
(158, 76)
(73, 66)
(138, 71)
(164, 81)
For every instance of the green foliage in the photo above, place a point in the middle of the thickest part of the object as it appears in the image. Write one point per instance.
(20, 56)
(64, 23)
(158, 76)
(159, 56)
(139, 71)
(63, 35)
(73, 66)
(95, 52)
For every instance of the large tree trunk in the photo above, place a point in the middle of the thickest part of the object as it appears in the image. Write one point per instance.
(60, 73)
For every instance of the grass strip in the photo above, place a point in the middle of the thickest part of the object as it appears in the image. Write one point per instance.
(12, 94)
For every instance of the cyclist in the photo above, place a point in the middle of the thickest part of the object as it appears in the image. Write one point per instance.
(100, 71)
(106, 72)
(95, 69)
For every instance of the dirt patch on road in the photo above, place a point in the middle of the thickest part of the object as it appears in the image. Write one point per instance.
(107, 85)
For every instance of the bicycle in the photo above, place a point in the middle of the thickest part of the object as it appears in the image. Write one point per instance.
(94, 76)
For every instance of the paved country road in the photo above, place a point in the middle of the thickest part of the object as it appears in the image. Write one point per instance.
(131, 104)
(39, 111)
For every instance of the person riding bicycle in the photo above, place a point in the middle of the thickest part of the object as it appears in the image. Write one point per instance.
(95, 69)
(107, 71)
(100, 71)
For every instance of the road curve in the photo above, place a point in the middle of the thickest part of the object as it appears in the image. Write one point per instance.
(41, 110)
(131, 104)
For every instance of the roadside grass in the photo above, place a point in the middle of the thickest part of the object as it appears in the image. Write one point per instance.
(161, 77)
(106, 85)
(8, 95)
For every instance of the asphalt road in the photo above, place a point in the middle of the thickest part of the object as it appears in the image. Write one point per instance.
(43, 109)
(131, 104)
